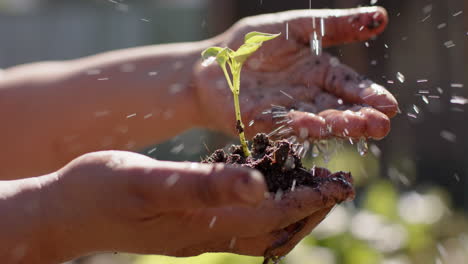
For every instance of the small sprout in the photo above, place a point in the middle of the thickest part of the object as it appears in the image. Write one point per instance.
(234, 61)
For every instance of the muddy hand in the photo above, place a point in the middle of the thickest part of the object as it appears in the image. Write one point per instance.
(329, 98)
(130, 203)
(275, 227)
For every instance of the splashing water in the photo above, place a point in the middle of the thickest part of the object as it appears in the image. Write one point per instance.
(316, 39)
(362, 147)
(315, 44)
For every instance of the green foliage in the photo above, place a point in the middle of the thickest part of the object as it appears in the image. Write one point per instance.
(209, 258)
(382, 199)
(233, 61)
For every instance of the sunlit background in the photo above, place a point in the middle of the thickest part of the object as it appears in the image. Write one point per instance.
(412, 187)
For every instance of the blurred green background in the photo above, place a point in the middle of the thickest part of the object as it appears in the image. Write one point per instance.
(412, 197)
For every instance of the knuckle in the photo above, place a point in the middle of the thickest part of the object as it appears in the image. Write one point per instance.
(205, 189)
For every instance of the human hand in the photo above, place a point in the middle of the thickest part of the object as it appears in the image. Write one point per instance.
(330, 99)
(122, 201)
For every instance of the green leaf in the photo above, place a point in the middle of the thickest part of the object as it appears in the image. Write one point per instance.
(259, 37)
(220, 54)
(211, 52)
(244, 52)
(253, 41)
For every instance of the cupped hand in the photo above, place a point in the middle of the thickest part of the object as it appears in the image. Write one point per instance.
(126, 202)
(329, 99)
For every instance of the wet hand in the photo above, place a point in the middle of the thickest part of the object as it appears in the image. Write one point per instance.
(329, 99)
(126, 202)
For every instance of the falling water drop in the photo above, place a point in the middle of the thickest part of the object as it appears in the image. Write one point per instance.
(315, 151)
(400, 77)
(362, 147)
(424, 98)
(324, 148)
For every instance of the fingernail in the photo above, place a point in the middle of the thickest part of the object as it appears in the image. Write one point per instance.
(250, 187)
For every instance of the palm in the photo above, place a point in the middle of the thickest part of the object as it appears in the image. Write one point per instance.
(285, 73)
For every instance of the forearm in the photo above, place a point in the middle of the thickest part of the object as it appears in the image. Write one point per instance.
(127, 99)
(31, 224)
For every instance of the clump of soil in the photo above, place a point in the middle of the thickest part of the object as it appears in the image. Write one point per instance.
(283, 171)
(279, 163)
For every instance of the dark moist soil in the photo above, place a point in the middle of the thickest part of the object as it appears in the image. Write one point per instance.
(279, 163)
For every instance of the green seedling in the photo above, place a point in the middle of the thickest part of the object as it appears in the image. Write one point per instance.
(234, 61)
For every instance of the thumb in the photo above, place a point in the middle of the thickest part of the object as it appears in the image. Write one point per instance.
(336, 26)
(179, 186)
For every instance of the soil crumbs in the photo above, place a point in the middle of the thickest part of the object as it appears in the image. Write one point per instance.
(279, 163)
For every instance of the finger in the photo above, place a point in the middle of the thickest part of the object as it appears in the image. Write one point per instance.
(340, 82)
(311, 223)
(357, 123)
(274, 214)
(251, 246)
(177, 186)
(345, 83)
(336, 26)
(276, 243)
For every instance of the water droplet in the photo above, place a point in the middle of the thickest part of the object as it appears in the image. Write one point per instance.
(293, 186)
(456, 85)
(278, 195)
(207, 62)
(449, 44)
(213, 221)
(151, 151)
(362, 147)
(416, 109)
(177, 149)
(232, 243)
(424, 98)
(447, 135)
(131, 115)
(427, 9)
(172, 179)
(315, 43)
(400, 77)
(375, 150)
(458, 100)
(324, 148)
(315, 151)
(251, 123)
